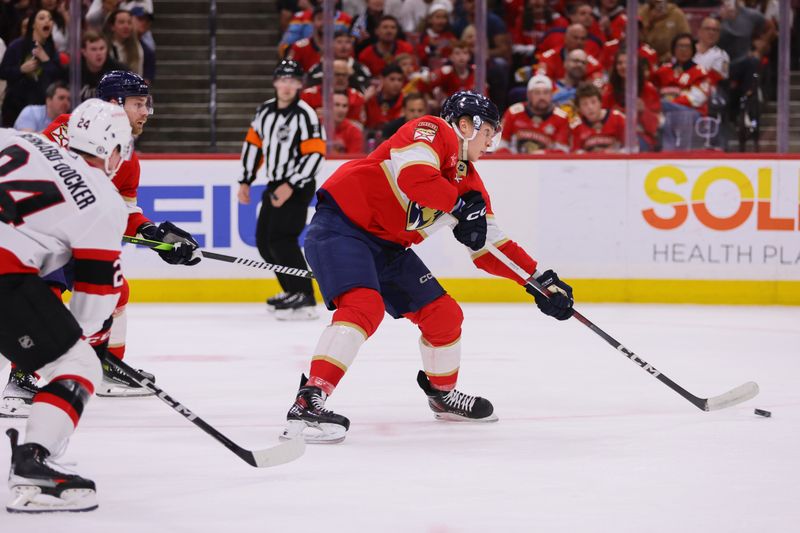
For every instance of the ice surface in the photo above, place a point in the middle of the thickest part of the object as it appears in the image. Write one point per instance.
(586, 441)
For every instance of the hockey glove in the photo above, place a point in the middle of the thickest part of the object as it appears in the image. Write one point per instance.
(185, 250)
(99, 341)
(559, 304)
(470, 210)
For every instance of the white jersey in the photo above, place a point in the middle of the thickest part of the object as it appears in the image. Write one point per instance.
(54, 207)
(716, 59)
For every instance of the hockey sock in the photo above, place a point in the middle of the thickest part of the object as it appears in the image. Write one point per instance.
(336, 350)
(119, 331)
(441, 363)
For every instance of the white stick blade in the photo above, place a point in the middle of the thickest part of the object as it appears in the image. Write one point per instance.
(285, 452)
(740, 394)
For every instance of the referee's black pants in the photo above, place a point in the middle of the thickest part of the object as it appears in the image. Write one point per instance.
(277, 232)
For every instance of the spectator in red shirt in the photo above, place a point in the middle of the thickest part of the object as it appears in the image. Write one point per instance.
(535, 126)
(684, 90)
(348, 138)
(611, 18)
(648, 104)
(551, 62)
(384, 51)
(437, 39)
(307, 52)
(533, 22)
(414, 106)
(596, 129)
(647, 54)
(365, 25)
(457, 76)
(387, 103)
(341, 75)
(591, 40)
(343, 49)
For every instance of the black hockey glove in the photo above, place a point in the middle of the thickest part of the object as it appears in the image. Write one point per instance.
(184, 247)
(559, 304)
(470, 210)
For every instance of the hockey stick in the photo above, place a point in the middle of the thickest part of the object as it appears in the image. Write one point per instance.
(165, 246)
(279, 454)
(733, 397)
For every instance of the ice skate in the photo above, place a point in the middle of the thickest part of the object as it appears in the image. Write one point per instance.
(272, 301)
(309, 413)
(37, 486)
(18, 395)
(115, 384)
(297, 306)
(455, 405)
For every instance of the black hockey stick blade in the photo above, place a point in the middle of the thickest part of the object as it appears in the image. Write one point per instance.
(285, 452)
(281, 269)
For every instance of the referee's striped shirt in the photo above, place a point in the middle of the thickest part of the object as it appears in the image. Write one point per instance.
(290, 141)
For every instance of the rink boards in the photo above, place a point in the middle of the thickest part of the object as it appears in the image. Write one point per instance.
(638, 230)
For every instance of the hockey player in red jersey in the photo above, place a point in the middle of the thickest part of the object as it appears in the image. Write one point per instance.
(59, 206)
(129, 91)
(369, 213)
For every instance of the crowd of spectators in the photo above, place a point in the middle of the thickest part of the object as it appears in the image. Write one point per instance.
(34, 54)
(556, 68)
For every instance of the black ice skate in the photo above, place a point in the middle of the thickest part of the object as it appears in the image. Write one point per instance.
(18, 395)
(37, 487)
(309, 411)
(116, 384)
(455, 405)
(272, 301)
(296, 306)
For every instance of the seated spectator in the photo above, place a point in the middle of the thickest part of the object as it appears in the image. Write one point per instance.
(648, 103)
(343, 49)
(307, 52)
(551, 62)
(596, 129)
(386, 48)
(125, 46)
(287, 9)
(661, 22)
(410, 13)
(435, 44)
(535, 20)
(574, 75)
(365, 26)
(301, 26)
(710, 56)
(387, 103)
(535, 126)
(456, 76)
(98, 13)
(341, 75)
(348, 137)
(37, 117)
(415, 77)
(59, 10)
(611, 18)
(684, 89)
(95, 63)
(30, 65)
(611, 48)
(414, 106)
(581, 18)
(143, 24)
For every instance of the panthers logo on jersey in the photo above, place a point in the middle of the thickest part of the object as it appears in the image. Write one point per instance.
(60, 135)
(419, 217)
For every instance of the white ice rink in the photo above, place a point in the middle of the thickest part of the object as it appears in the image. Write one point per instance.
(586, 442)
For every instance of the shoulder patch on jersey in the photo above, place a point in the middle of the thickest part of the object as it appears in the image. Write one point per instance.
(557, 111)
(549, 53)
(425, 131)
(519, 107)
(575, 122)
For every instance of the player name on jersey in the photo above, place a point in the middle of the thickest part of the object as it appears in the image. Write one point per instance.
(76, 185)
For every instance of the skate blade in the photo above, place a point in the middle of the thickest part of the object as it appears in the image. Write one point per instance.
(29, 499)
(452, 417)
(314, 433)
(304, 313)
(14, 408)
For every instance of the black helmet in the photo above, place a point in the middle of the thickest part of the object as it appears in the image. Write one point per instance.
(288, 68)
(473, 105)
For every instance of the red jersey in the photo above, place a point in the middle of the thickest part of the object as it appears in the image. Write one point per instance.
(313, 97)
(526, 133)
(348, 139)
(448, 80)
(126, 178)
(607, 134)
(306, 53)
(551, 63)
(537, 31)
(375, 61)
(380, 111)
(646, 53)
(686, 85)
(648, 119)
(555, 39)
(435, 44)
(400, 191)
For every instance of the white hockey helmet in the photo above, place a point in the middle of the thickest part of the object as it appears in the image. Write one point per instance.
(97, 128)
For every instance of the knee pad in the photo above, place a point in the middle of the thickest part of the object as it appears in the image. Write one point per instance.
(439, 321)
(79, 363)
(360, 307)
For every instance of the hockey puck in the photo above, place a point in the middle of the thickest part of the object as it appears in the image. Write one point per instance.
(761, 412)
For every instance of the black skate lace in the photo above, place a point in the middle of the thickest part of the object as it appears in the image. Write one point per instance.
(319, 403)
(459, 400)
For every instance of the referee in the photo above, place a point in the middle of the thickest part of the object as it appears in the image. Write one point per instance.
(286, 137)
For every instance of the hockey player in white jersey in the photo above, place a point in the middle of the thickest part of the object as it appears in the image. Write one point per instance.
(57, 205)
